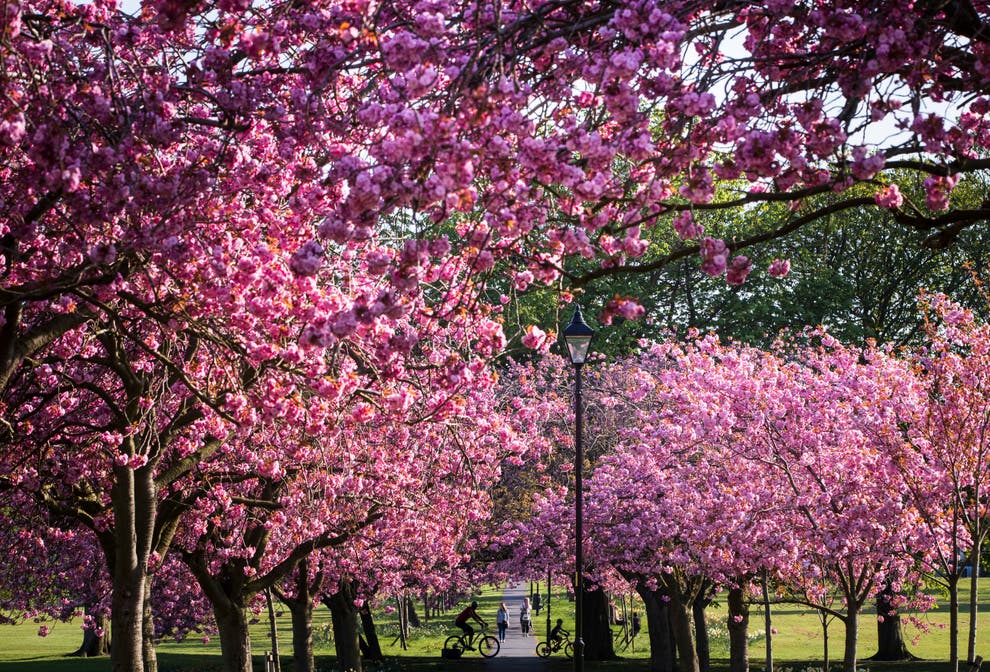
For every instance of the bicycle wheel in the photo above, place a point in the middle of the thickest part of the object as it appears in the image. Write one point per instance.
(543, 650)
(488, 646)
(454, 643)
(569, 650)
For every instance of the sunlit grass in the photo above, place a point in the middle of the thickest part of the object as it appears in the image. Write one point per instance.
(797, 644)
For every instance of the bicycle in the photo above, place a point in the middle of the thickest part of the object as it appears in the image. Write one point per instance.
(486, 644)
(544, 649)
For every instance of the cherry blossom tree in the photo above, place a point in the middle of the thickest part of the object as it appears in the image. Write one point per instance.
(735, 461)
(55, 573)
(954, 438)
(175, 180)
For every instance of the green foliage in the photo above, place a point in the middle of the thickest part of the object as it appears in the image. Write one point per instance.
(857, 273)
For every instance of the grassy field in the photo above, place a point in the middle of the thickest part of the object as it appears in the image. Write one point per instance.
(797, 643)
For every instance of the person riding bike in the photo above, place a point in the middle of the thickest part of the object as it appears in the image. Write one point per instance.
(557, 634)
(462, 622)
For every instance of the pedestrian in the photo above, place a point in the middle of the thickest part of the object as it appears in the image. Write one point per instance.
(537, 603)
(525, 616)
(502, 620)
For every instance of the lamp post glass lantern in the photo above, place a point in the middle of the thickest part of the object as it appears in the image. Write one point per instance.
(577, 337)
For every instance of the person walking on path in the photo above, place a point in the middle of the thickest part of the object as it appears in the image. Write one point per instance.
(525, 617)
(518, 653)
(502, 620)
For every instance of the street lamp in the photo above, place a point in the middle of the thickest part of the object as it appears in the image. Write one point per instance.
(577, 337)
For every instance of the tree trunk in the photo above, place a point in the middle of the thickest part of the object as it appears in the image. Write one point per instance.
(768, 666)
(94, 644)
(345, 628)
(273, 631)
(658, 625)
(738, 624)
(411, 616)
(680, 621)
(890, 637)
(149, 654)
(701, 642)
(852, 638)
(974, 602)
(302, 635)
(374, 651)
(235, 640)
(134, 520)
(597, 634)
(953, 586)
(826, 662)
(301, 607)
(403, 622)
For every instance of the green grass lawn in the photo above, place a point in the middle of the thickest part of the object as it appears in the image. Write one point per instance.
(797, 644)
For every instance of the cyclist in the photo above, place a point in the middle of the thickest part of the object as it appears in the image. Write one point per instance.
(557, 634)
(462, 622)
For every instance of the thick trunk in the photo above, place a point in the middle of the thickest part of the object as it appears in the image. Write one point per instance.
(149, 654)
(95, 642)
(411, 613)
(374, 647)
(235, 640)
(738, 624)
(658, 625)
(302, 634)
(852, 638)
(701, 643)
(133, 497)
(598, 643)
(345, 628)
(680, 621)
(890, 637)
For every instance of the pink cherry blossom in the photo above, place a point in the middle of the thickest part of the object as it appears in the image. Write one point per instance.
(889, 197)
(779, 268)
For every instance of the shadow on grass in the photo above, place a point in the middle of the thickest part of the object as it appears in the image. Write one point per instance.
(170, 662)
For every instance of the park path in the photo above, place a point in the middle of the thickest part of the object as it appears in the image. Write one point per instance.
(518, 652)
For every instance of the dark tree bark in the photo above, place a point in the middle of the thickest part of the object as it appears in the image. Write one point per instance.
(826, 660)
(680, 622)
(302, 635)
(411, 615)
(701, 643)
(149, 654)
(374, 650)
(952, 581)
(598, 644)
(133, 497)
(738, 624)
(344, 616)
(851, 621)
(300, 606)
(767, 622)
(273, 631)
(235, 640)
(890, 637)
(94, 645)
(658, 625)
(228, 597)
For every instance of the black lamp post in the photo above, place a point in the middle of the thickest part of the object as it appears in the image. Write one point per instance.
(577, 337)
